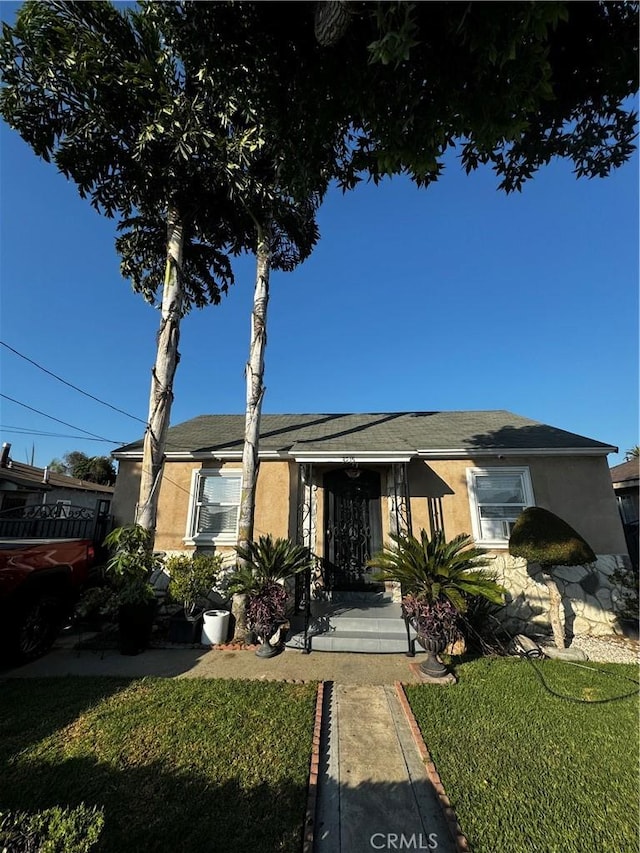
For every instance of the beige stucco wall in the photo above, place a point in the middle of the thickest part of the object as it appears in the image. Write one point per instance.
(578, 489)
(125, 496)
(272, 500)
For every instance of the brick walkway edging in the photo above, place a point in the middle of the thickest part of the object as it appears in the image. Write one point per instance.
(460, 840)
(314, 770)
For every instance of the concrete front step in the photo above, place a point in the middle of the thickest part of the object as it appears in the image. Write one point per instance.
(355, 641)
(372, 625)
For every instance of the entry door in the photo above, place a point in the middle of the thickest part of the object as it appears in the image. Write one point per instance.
(353, 531)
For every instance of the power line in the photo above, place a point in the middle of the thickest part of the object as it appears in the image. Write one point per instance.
(26, 431)
(70, 385)
(64, 423)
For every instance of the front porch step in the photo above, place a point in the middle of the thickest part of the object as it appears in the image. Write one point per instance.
(364, 643)
(371, 625)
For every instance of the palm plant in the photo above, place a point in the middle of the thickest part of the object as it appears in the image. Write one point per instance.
(263, 565)
(438, 579)
(432, 569)
(267, 560)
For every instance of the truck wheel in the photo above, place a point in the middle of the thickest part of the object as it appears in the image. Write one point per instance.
(35, 626)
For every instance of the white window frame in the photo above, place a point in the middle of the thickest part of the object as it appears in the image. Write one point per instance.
(193, 538)
(527, 492)
(63, 509)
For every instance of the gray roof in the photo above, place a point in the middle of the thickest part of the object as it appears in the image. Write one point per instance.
(627, 471)
(391, 432)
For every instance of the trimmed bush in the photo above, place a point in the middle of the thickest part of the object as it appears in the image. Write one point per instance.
(542, 537)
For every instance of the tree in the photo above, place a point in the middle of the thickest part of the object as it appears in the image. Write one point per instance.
(492, 100)
(161, 119)
(93, 469)
(632, 453)
(540, 536)
(99, 91)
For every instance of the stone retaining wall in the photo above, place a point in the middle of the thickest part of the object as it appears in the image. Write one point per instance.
(590, 597)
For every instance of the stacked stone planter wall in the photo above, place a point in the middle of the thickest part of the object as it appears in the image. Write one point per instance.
(588, 591)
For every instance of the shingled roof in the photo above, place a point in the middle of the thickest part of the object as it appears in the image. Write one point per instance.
(413, 433)
(29, 476)
(627, 473)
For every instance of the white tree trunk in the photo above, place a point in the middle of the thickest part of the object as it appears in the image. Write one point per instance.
(255, 392)
(254, 374)
(162, 376)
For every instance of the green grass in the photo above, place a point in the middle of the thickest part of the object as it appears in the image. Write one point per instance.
(528, 772)
(177, 765)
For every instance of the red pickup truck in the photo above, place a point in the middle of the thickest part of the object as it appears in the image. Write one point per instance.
(40, 579)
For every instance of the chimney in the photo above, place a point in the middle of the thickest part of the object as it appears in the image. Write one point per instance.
(45, 475)
(4, 455)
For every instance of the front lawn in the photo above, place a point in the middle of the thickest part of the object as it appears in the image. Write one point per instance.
(177, 765)
(528, 772)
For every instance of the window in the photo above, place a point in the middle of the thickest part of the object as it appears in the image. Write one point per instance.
(215, 505)
(63, 509)
(497, 497)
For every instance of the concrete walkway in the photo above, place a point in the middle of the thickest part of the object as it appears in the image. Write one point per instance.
(201, 663)
(373, 789)
(374, 792)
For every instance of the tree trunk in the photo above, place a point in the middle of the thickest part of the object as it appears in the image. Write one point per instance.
(162, 376)
(555, 606)
(255, 392)
(331, 21)
(254, 374)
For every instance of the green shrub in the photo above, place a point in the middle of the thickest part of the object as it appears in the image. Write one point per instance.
(193, 576)
(627, 579)
(540, 536)
(55, 830)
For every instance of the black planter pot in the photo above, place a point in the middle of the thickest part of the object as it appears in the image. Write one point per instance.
(266, 650)
(183, 630)
(135, 622)
(431, 666)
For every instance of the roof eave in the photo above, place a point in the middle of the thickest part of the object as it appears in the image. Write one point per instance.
(468, 452)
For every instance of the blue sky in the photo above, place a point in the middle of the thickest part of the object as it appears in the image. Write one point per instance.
(455, 297)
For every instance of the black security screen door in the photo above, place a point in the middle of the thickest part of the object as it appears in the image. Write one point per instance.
(353, 529)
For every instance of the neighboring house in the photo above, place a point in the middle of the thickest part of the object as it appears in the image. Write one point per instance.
(626, 485)
(23, 487)
(341, 483)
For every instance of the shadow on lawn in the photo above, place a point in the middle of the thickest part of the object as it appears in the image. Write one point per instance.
(147, 806)
(148, 809)
(50, 705)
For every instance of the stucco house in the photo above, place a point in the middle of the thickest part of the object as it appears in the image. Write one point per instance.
(38, 502)
(23, 486)
(340, 483)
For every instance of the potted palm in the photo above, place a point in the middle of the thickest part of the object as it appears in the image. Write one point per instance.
(193, 576)
(129, 569)
(438, 578)
(266, 564)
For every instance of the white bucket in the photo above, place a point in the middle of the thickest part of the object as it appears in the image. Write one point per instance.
(215, 627)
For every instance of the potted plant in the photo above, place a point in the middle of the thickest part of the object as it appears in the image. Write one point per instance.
(437, 578)
(266, 564)
(541, 537)
(129, 568)
(192, 577)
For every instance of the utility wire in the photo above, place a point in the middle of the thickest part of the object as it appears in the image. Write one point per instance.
(27, 431)
(70, 385)
(64, 423)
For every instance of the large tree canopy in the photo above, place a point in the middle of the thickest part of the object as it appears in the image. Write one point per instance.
(93, 469)
(209, 128)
